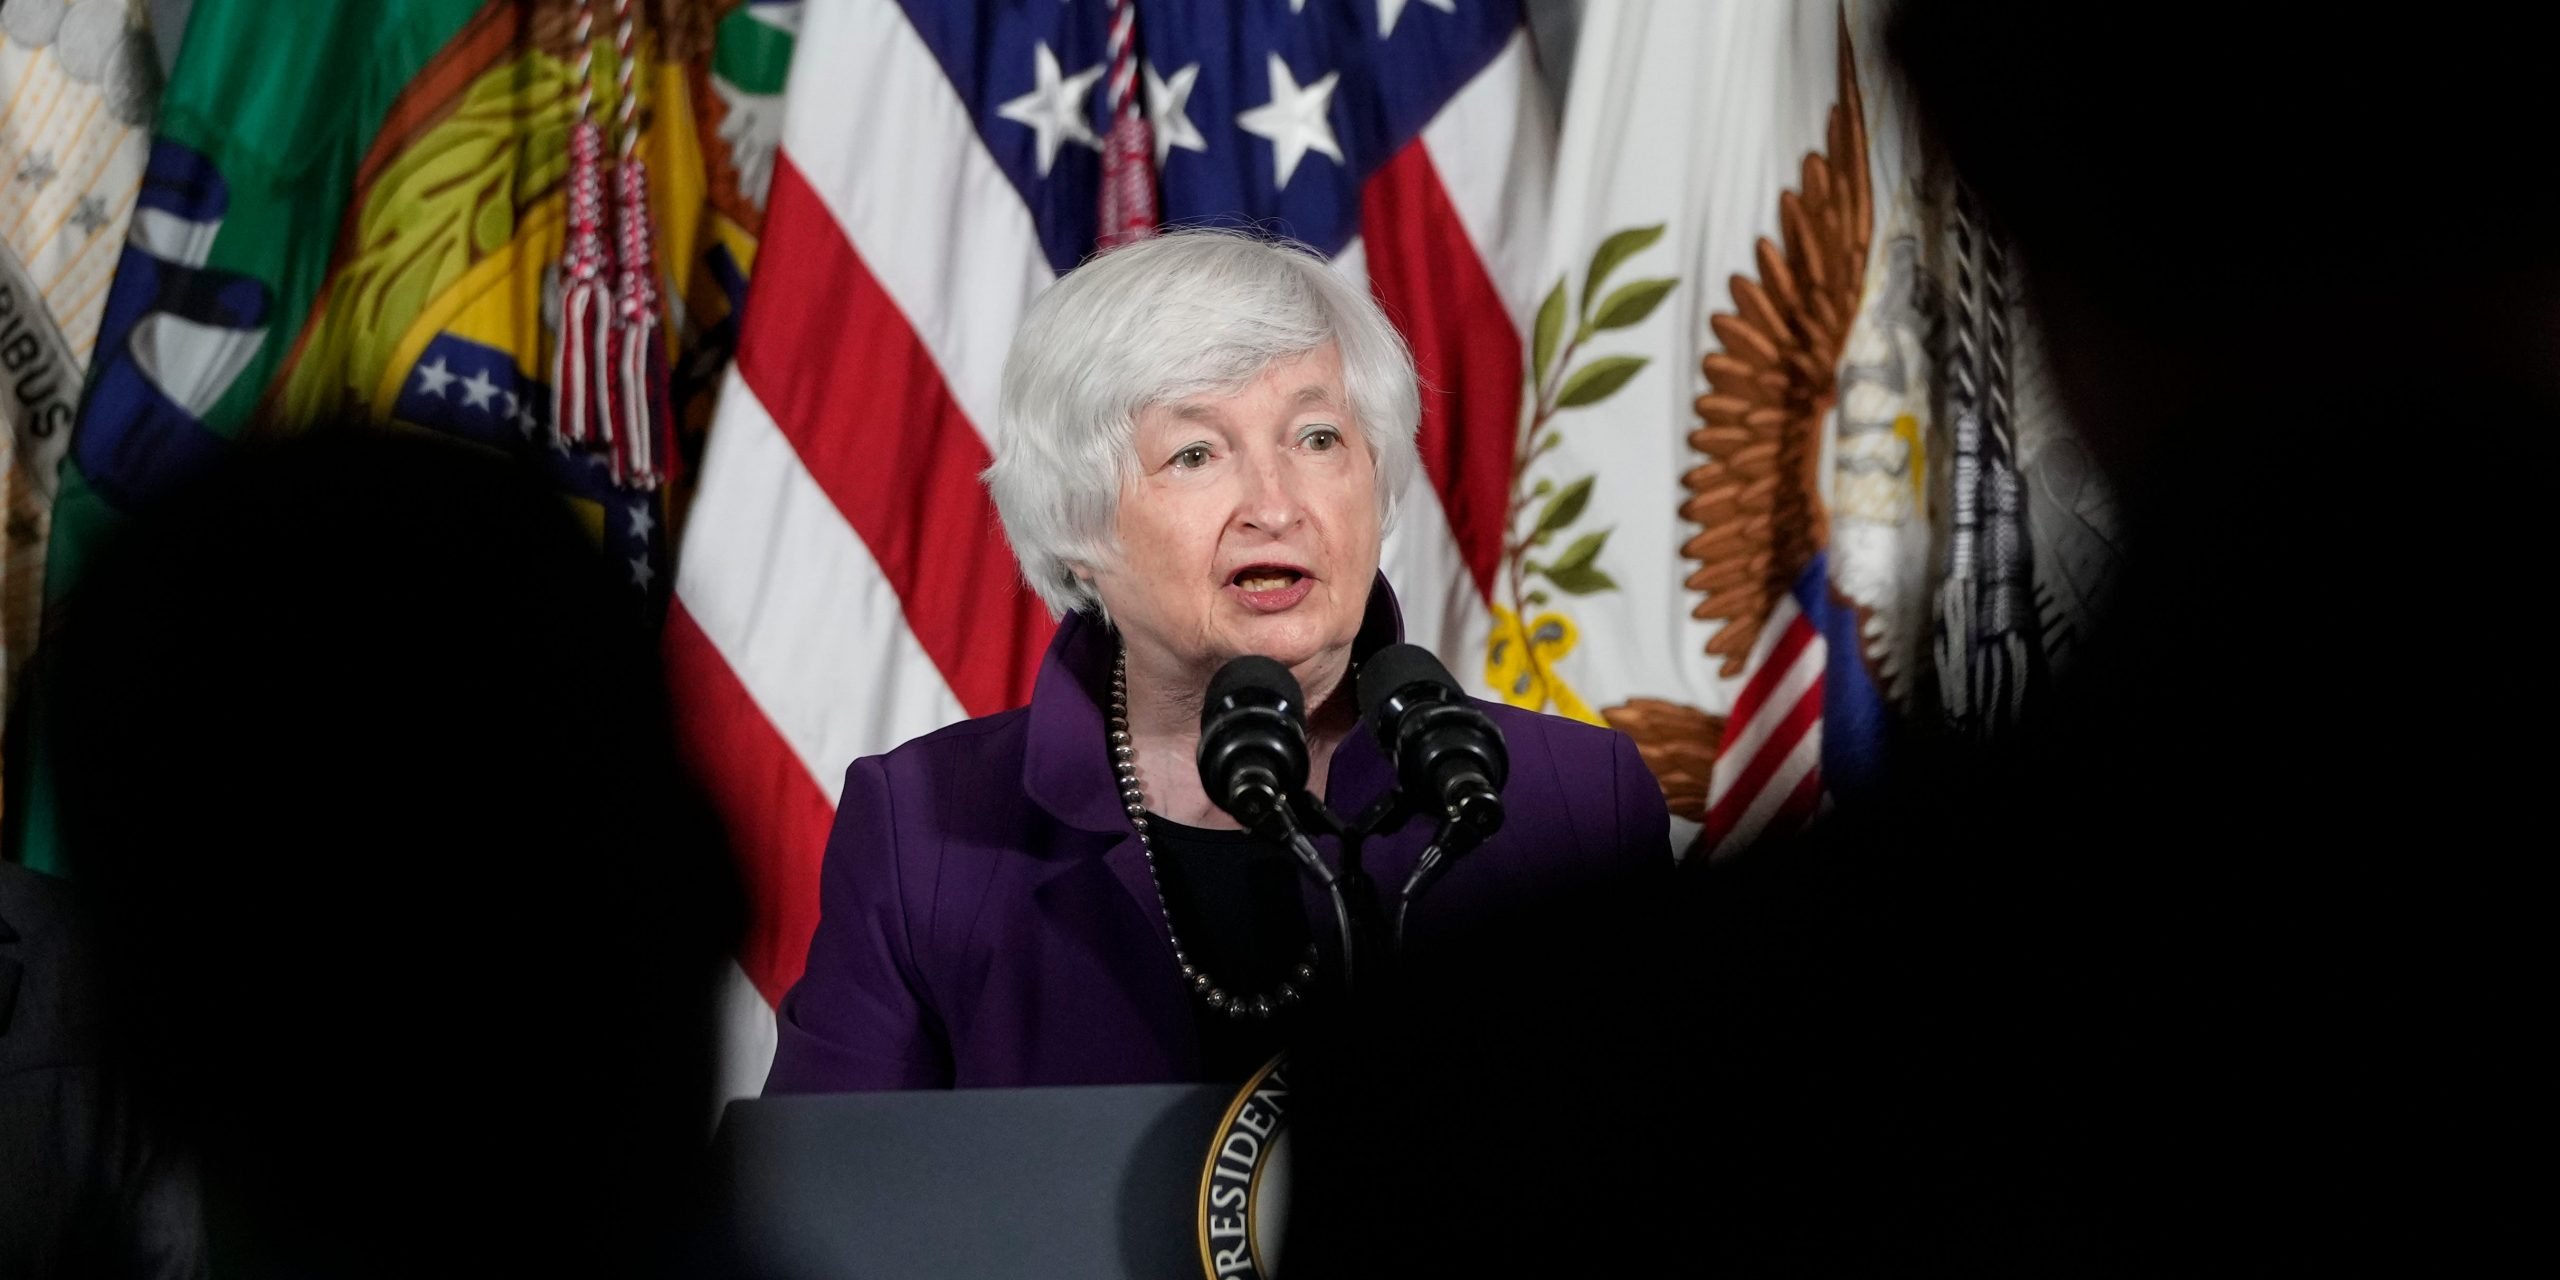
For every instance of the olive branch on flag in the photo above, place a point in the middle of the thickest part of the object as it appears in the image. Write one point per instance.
(1521, 651)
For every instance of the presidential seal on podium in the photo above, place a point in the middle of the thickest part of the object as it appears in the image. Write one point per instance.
(1244, 1187)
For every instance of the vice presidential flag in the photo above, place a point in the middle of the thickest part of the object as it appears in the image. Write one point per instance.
(1725, 534)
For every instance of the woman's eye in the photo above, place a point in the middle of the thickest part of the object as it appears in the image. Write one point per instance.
(1192, 457)
(1321, 439)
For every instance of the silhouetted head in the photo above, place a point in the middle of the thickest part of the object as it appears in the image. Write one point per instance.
(414, 927)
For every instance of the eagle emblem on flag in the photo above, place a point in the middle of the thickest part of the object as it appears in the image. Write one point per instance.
(1807, 331)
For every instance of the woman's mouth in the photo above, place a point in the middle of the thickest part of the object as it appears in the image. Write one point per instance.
(1269, 588)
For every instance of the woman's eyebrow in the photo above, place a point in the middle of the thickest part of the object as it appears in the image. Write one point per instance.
(1312, 394)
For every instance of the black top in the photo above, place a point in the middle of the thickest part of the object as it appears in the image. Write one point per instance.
(1236, 907)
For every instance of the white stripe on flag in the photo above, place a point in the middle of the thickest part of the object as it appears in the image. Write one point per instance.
(1442, 611)
(1420, 558)
(1804, 758)
(748, 1033)
(793, 601)
(1353, 263)
(1494, 146)
(887, 144)
(1742, 747)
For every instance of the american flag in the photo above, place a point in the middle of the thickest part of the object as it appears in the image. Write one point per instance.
(843, 583)
(1808, 724)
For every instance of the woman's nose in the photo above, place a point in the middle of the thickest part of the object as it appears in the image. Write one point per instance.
(1270, 502)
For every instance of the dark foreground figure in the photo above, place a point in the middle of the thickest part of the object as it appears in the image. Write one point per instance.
(410, 927)
(2218, 966)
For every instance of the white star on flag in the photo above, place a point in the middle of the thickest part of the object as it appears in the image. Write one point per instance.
(1054, 109)
(91, 216)
(434, 378)
(1391, 11)
(1294, 120)
(478, 390)
(1168, 107)
(641, 524)
(641, 574)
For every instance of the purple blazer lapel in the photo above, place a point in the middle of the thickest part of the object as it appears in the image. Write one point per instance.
(1066, 771)
(1066, 763)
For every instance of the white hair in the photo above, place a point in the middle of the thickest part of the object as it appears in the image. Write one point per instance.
(1188, 313)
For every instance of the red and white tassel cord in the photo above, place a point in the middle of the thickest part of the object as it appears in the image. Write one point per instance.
(586, 301)
(1128, 151)
(609, 379)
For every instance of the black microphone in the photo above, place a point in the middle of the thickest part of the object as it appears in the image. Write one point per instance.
(1448, 755)
(1253, 764)
(1253, 741)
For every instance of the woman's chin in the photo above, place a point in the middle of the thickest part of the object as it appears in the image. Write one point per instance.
(1291, 642)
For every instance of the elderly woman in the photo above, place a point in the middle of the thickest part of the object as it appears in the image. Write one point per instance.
(1204, 436)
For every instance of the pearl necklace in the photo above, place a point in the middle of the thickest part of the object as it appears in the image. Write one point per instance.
(1133, 797)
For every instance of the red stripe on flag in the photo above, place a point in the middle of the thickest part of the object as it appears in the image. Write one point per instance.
(831, 356)
(1800, 805)
(1773, 753)
(1432, 283)
(1765, 678)
(775, 814)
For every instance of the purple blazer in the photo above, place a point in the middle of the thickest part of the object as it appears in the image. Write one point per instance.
(986, 919)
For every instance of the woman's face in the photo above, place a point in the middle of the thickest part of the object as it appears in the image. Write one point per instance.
(1251, 525)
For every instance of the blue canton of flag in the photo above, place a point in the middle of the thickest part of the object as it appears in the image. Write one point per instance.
(1267, 113)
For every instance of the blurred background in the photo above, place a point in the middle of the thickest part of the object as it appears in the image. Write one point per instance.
(1797, 376)
(1737, 438)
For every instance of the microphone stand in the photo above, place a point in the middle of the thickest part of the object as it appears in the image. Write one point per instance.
(1355, 898)
(1384, 816)
(1447, 843)
(1354, 894)
(1284, 827)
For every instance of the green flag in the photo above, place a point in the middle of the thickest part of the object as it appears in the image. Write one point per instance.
(356, 214)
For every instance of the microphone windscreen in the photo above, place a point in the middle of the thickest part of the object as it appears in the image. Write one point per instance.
(1253, 673)
(1398, 667)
